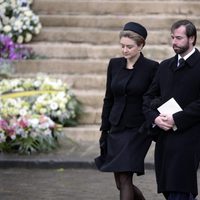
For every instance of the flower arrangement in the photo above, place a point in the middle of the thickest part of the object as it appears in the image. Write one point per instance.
(18, 21)
(28, 134)
(33, 112)
(41, 95)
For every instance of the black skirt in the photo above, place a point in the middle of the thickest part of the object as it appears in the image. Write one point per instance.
(125, 151)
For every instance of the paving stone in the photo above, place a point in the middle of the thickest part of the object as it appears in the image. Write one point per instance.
(68, 184)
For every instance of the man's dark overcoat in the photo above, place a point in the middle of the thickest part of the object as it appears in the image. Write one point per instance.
(177, 152)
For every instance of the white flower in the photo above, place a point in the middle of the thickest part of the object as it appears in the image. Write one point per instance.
(37, 29)
(7, 28)
(28, 13)
(54, 106)
(41, 99)
(23, 112)
(20, 39)
(14, 82)
(37, 83)
(34, 122)
(61, 95)
(18, 25)
(24, 27)
(28, 37)
(13, 136)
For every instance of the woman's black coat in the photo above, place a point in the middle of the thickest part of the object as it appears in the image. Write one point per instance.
(177, 152)
(123, 107)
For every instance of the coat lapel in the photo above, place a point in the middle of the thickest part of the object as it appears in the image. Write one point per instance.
(173, 63)
(190, 62)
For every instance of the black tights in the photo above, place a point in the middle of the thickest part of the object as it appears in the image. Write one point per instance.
(124, 183)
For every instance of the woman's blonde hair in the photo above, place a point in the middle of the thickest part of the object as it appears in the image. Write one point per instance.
(134, 36)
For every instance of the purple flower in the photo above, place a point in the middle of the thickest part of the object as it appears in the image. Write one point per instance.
(10, 50)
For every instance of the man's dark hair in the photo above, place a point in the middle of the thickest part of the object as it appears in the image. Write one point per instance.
(189, 26)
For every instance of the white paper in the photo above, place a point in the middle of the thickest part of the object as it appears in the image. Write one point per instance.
(170, 107)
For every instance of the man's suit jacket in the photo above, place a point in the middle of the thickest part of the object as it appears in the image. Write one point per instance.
(124, 92)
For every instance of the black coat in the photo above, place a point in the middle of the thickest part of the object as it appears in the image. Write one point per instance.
(177, 152)
(124, 93)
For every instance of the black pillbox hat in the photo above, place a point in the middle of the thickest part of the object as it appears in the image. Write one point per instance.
(137, 28)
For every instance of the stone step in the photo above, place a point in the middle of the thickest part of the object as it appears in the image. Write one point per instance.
(95, 36)
(113, 22)
(85, 82)
(116, 7)
(61, 66)
(88, 51)
(77, 35)
(83, 133)
(90, 98)
(90, 116)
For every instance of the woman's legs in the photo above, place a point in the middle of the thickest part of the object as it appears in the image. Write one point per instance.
(124, 183)
(137, 193)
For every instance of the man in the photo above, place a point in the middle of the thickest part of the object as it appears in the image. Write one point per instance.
(178, 135)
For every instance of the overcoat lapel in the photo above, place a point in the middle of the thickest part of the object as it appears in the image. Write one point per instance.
(173, 63)
(190, 62)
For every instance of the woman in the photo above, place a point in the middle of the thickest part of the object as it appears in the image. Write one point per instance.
(123, 146)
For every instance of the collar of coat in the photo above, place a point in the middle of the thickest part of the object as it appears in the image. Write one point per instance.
(190, 62)
(139, 61)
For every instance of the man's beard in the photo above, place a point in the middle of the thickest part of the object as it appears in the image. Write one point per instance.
(180, 50)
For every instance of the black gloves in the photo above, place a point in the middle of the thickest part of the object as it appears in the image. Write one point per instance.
(103, 142)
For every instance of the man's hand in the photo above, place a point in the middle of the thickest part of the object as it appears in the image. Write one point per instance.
(165, 122)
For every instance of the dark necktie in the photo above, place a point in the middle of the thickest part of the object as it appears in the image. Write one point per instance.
(181, 62)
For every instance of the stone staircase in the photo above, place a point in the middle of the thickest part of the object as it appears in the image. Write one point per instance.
(80, 36)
